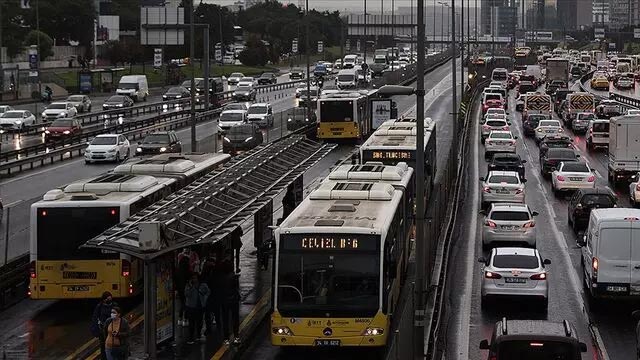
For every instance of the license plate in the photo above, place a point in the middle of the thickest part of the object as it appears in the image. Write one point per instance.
(575, 179)
(616, 288)
(513, 280)
(499, 143)
(502, 191)
(508, 227)
(323, 342)
(550, 131)
(78, 288)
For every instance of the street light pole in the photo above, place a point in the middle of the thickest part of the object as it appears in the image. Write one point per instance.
(422, 243)
(307, 51)
(365, 31)
(453, 73)
(192, 51)
(462, 45)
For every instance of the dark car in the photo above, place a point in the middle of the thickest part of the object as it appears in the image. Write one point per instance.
(297, 118)
(159, 143)
(507, 162)
(267, 79)
(562, 109)
(534, 339)
(559, 96)
(235, 106)
(176, 93)
(247, 93)
(215, 85)
(555, 85)
(554, 156)
(61, 129)
(576, 71)
(242, 137)
(117, 102)
(530, 123)
(585, 200)
(555, 142)
(526, 86)
(313, 97)
(296, 74)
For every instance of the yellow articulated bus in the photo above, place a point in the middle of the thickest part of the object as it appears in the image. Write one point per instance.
(68, 217)
(340, 259)
(344, 115)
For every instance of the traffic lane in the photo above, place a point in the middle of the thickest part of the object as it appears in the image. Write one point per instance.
(565, 300)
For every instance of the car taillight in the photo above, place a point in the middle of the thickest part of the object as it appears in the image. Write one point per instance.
(518, 191)
(486, 127)
(594, 267)
(490, 223)
(485, 106)
(560, 178)
(541, 276)
(591, 178)
(505, 128)
(130, 289)
(32, 270)
(638, 186)
(560, 130)
(126, 268)
(489, 142)
(487, 189)
(529, 224)
(513, 142)
(492, 275)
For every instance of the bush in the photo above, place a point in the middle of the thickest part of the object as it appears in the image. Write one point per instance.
(254, 54)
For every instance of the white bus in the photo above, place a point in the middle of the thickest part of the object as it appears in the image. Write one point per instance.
(69, 216)
(338, 261)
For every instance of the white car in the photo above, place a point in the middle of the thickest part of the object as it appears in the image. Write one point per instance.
(107, 147)
(247, 81)
(81, 102)
(492, 124)
(234, 78)
(230, 118)
(513, 271)
(59, 110)
(547, 127)
(260, 114)
(16, 119)
(499, 141)
(496, 113)
(572, 175)
(634, 190)
(502, 186)
(5, 108)
(300, 88)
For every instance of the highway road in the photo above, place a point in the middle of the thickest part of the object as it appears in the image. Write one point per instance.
(467, 324)
(438, 106)
(635, 92)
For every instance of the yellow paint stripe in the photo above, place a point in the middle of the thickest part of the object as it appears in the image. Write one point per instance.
(247, 320)
(94, 342)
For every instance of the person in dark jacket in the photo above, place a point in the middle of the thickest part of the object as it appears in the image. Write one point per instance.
(101, 314)
(212, 275)
(236, 243)
(230, 303)
(182, 276)
(196, 294)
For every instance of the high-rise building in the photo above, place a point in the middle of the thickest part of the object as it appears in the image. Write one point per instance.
(499, 17)
(567, 11)
(623, 13)
(600, 12)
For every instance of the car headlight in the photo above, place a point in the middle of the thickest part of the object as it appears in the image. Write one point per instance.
(289, 120)
(249, 139)
(227, 139)
(163, 149)
(178, 96)
(44, 115)
(18, 122)
(373, 331)
(282, 330)
(62, 115)
(164, 96)
(66, 132)
(112, 151)
(47, 132)
(234, 93)
(139, 150)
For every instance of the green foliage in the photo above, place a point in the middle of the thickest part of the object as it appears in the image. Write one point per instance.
(46, 43)
(255, 53)
(632, 48)
(12, 33)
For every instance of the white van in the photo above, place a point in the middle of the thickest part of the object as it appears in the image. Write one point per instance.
(501, 75)
(598, 134)
(347, 79)
(611, 254)
(349, 61)
(134, 86)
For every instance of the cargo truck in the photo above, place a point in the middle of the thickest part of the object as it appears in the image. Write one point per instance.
(557, 71)
(624, 148)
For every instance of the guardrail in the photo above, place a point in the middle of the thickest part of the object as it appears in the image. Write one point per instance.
(14, 281)
(627, 101)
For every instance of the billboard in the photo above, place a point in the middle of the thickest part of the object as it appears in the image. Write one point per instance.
(599, 33)
(160, 26)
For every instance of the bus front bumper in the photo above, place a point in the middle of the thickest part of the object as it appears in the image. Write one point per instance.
(328, 342)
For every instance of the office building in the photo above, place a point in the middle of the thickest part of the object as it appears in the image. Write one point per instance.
(499, 17)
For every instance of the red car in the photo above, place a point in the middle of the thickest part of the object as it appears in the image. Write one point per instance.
(62, 129)
(493, 101)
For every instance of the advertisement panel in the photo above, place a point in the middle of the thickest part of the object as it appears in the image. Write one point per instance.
(164, 300)
(381, 112)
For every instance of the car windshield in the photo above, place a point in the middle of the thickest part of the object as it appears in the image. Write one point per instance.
(247, 79)
(493, 97)
(496, 123)
(600, 200)
(116, 99)
(537, 117)
(516, 261)
(536, 350)
(231, 117)
(507, 179)
(56, 106)
(128, 86)
(500, 135)
(76, 98)
(156, 139)
(257, 110)
(236, 75)
(600, 127)
(312, 92)
(346, 77)
(104, 140)
(244, 88)
(510, 215)
(575, 167)
(12, 115)
(499, 76)
(175, 90)
(246, 129)
(267, 75)
(506, 158)
(561, 154)
(62, 123)
(551, 123)
(235, 107)
(586, 116)
(495, 111)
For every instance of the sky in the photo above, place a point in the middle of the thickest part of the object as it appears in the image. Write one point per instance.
(341, 5)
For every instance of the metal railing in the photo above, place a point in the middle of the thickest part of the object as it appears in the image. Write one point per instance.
(626, 101)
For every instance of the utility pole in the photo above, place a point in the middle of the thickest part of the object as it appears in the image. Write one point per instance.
(365, 31)
(422, 243)
(306, 47)
(453, 72)
(393, 28)
(461, 46)
(194, 145)
(434, 24)
(1, 58)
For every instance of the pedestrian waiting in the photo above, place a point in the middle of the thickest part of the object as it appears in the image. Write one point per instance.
(196, 294)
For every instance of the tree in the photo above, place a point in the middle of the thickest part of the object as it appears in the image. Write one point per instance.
(255, 53)
(46, 43)
(115, 52)
(63, 20)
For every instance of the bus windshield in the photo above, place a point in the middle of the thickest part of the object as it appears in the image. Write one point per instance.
(312, 283)
(536, 350)
(335, 111)
(61, 231)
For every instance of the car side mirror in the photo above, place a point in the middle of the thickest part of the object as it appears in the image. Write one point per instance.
(88, 143)
(523, 180)
(524, 161)
(484, 345)
(482, 212)
(535, 213)
(515, 137)
(546, 262)
(482, 260)
(583, 347)
(482, 178)
(139, 142)
(636, 314)
(582, 241)
(577, 155)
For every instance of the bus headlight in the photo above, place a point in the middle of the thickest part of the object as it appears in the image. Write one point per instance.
(282, 330)
(373, 331)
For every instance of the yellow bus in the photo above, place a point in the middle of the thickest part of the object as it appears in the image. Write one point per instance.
(68, 217)
(344, 115)
(340, 259)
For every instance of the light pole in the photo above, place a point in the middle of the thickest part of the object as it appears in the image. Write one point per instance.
(442, 18)
(306, 42)
(454, 111)
(192, 46)
(365, 30)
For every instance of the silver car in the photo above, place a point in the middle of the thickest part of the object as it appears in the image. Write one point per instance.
(499, 142)
(547, 127)
(509, 223)
(493, 124)
(502, 186)
(515, 272)
(572, 175)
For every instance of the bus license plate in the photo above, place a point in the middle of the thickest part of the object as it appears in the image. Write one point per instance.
(78, 288)
(616, 288)
(323, 342)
